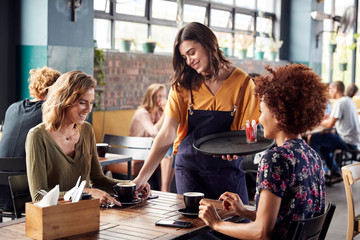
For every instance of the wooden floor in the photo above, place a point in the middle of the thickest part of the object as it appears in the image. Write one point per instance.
(336, 194)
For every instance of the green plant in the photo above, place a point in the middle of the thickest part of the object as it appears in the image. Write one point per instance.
(99, 74)
(99, 59)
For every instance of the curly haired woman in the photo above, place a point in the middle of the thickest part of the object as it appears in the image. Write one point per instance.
(290, 183)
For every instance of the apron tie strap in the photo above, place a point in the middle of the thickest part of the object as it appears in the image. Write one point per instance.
(240, 98)
(190, 101)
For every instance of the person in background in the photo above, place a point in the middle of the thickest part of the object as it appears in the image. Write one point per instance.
(25, 114)
(208, 95)
(290, 184)
(19, 118)
(351, 90)
(344, 117)
(63, 146)
(147, 122)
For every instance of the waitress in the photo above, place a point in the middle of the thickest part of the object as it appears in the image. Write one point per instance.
(208, 95)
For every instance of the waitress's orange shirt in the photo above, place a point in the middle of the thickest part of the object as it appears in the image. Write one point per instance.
(224, 100)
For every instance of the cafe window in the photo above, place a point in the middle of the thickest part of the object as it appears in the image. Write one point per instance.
(194, 13)
(246, 3)
(136, 32)
(220, 18)
(264, 25)
(102, 5)
(102, 33)
(158, 7)
(244, 22)
(229, 2)
(140, 19)
(265, 5)
(136, 7)
(164, 37)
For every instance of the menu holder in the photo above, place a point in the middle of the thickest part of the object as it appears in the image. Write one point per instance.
(62, 220)
(232, 143)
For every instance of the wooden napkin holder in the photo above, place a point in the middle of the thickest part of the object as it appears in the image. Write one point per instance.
(63, 220)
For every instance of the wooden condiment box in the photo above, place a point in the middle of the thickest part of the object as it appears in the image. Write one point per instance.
(63, 220)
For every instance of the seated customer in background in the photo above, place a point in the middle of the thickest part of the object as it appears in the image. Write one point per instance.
(25, 114)
(63, 147)
(344, 117)
(19, 118)
(351, 90)
(290, 183)
(147, 122)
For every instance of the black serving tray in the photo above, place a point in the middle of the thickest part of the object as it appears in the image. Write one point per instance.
(232, 143)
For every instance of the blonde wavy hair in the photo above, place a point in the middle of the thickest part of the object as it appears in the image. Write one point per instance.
(63, 94)
(149, 101)
(40, 80)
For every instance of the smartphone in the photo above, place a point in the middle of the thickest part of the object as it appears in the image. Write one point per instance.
(173, 223)
(152, 196)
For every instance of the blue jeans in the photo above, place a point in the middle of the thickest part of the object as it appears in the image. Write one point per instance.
(325, 144)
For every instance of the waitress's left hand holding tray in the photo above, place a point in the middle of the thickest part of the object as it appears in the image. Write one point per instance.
(229, 157)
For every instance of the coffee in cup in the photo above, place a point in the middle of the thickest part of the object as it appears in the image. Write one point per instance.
(192, 200)
(102, 149)
(125, 191)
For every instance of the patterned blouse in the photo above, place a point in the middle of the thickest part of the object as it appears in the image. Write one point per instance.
(293, 172)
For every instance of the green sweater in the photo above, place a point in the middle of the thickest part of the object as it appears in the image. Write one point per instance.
(48, 165)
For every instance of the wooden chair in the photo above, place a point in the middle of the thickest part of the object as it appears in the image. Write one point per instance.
(136, 147)
(350, 174)
(20, 193)
(313, 228)
(9, 167)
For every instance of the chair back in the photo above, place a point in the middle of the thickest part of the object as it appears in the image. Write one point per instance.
(313, 228)
(351, 174)
(136, 147)
(20, 193)
(11, 166)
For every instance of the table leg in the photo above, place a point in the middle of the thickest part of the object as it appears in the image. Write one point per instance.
(129, 170)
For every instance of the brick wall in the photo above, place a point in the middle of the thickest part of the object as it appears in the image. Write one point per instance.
(127, 75)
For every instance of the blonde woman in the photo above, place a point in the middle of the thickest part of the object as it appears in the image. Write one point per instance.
(147, 122)
(63, 147)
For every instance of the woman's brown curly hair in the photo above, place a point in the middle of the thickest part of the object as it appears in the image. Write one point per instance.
(40, 80)
(294, 95)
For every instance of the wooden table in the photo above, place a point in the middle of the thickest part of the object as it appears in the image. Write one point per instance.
(133, 222)
(111, 158)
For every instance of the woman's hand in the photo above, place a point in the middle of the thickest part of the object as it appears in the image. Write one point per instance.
(208, 213)
(162, 104)
(105, 198)
(229, 157)
(232, 200)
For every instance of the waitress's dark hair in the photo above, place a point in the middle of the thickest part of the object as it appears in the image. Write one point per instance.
(183, 74)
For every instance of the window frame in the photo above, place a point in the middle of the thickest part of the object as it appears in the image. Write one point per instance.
(208, 4)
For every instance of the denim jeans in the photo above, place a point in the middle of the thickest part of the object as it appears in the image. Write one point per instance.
(325, 144)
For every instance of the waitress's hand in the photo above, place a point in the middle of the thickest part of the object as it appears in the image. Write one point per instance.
(208, 213)
(143, 188)
(105, 198)
(229, 157)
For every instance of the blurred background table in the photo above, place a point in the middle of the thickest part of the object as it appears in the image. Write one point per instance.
(111, 158)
